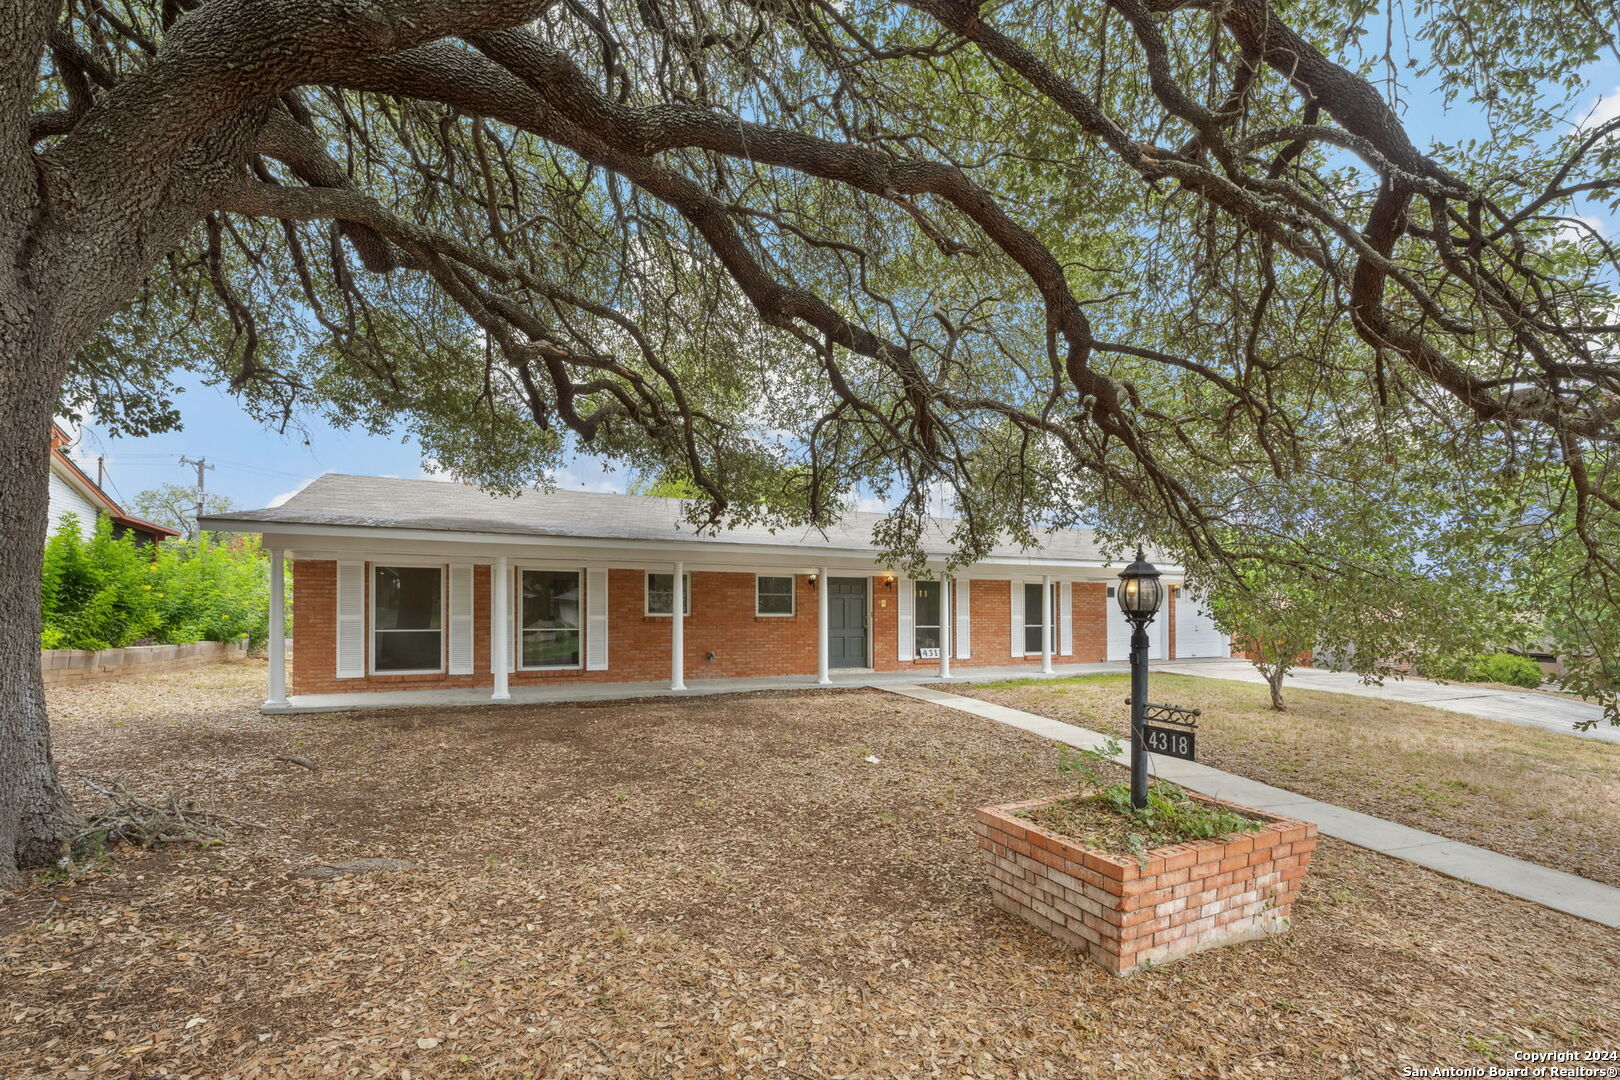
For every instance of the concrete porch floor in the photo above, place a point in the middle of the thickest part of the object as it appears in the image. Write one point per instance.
(534, 695)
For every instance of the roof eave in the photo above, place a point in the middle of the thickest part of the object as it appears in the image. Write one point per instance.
(800, 552)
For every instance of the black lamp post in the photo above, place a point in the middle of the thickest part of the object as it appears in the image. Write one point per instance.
(1140, 595)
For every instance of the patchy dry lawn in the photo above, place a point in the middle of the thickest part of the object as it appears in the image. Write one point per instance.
(708, 888)
(1538, 795)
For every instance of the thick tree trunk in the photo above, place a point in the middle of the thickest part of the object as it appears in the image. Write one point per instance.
(36, 818)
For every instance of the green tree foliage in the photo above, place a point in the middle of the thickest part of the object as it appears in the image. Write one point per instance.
(107, 592)
(1184, 272)
(175, 505)
(665, 485)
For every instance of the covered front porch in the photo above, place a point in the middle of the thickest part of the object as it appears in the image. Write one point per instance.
(570, 692)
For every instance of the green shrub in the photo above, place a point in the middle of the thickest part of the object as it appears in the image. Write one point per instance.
(97, 593)
(1504, 668)
(218, 593)
(106, 593)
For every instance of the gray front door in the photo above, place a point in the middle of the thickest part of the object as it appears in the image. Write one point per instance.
(846, 622)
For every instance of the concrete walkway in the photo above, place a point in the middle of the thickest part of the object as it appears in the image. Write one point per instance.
(1538, 884)
(1553, 712)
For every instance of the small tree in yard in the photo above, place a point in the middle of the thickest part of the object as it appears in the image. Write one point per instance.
(1281, 620)
(1378, 592)
(1144, 265)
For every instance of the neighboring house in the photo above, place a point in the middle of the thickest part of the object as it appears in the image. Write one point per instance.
(405, 585)
(73, 492)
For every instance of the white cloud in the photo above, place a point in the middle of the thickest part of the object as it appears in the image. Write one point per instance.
(1604, 108)
(285, 495)
(1576, 227)
(444, 475)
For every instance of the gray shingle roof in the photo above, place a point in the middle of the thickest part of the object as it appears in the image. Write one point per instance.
(337, 499)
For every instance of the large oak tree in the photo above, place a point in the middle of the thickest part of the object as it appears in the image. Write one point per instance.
(1172, 267)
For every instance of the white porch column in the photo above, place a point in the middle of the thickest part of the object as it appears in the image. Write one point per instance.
(823, 599)
(677, 633)
(500, 595)
(278, 630)
(1046, 624)
(945, 614)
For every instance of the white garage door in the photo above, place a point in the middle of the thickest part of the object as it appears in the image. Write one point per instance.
(1119, 633)
(1196, 634)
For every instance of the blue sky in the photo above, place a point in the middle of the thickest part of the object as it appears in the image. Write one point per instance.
(257, 466)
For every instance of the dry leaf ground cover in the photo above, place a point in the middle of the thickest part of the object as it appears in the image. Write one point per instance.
(710, 887)
(1537, 795)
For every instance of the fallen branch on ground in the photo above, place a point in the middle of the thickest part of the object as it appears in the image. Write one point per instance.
(149, 823)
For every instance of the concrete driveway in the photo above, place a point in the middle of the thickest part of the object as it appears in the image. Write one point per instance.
(1551, 711)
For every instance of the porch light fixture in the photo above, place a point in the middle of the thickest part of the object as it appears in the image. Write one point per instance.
(888, 581)
(1140, 593)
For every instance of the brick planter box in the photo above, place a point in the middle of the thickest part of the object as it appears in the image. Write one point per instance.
(1123, 912)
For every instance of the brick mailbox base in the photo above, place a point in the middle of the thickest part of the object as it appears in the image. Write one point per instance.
(1124, 912)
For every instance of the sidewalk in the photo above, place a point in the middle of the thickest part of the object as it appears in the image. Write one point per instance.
(1551, 712)
(1538, 884)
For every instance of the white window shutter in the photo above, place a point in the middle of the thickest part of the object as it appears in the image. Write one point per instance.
(1066, 618)
(596, 620)
(1017, 617)
(351, 620)
(964, 620)
(461, 619)
(906, 609)
(514, 596)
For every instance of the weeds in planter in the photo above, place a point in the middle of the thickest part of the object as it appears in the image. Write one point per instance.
(1106, 818)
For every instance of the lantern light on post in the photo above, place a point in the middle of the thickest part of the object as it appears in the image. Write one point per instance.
(1140, 593)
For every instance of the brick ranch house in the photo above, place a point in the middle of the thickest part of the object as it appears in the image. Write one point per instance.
(404, 586)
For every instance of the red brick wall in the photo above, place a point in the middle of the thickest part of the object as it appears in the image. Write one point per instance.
(314, 669)
(990, 608)
(1092, 610)
(722, 622)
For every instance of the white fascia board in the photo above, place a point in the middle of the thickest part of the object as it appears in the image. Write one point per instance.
(306, 539)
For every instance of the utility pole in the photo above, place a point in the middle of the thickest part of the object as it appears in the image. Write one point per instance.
(202, 466)
(101, 469)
